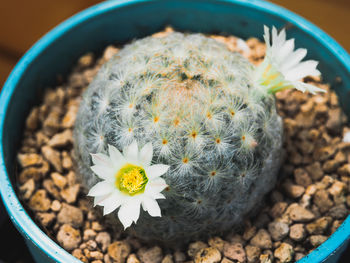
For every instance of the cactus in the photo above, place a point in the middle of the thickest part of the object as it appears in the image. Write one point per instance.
(208, 119)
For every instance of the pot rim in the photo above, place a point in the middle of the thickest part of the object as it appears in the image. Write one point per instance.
(19, 216)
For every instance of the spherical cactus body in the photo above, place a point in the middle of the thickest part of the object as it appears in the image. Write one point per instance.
(207, 119)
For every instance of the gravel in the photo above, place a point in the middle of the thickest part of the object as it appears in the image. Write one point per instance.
(308, 204)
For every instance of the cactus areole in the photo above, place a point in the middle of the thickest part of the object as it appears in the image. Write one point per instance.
(177, 137)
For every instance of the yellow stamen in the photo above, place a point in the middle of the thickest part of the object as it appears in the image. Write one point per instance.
(131, 179)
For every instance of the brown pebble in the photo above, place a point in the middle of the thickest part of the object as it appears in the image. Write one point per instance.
(338, 212)
(298, 256)
(68, 237)
(27, 189)
(151, 255)
(266, 258)
(56, 205)
(53, 157)
(235, 238)
(234, 251)
(168, 259)
(336, 224)
(51, 188)
(293, 190)
(322, 200)
(109, 52)
(70, 116)
(334, 122)
(30, 173)
(278, 209)
(67, 162)
(337, 189)
(95, 225)
(78, 253)
(217, 242)
(71, 178)
(325, 182)
(59, 180)
(193, 248)
(226, 260)
(316, 240)
(70, 215)
(179, 256)
(249, 232)
(104, 240)
(61, 139)
(299, 214)
(39, 201)
(278, 230)
(32, 121)
(284, 252)
(89, 234)
(97, 255)
(330, 166)
(46, 219)
(315, 171)
(132, 258)
(319, 226)
(302, 178)
(29, 159)
(324, 153)
(252, 253)
(86, 60)
(52, 122)
(119, 251)
(70, 193)
(344, 170)
(348, 200)
(207, 255)
(262, 239)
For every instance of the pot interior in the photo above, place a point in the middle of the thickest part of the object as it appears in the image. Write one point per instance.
(113, 22)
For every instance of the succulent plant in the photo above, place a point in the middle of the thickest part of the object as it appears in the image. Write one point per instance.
(204, 116)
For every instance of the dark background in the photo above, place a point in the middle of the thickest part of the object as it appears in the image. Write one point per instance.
(22, 22)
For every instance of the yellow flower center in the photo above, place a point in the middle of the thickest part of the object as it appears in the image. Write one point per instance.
(131, 179)
(272, 78)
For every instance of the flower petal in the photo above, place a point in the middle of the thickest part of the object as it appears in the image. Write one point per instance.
(301, 70)
(267, 36)
(286, 49)
(100, 159)
(129, 212)
(156, 170)
(112, 203)
(158, 196)
(131, 152)
(282, 66)
(101, 188)
(293, 59)
(104, 172)
(155, 186)
(151, 206)
(98, 199)
(146, 154)
(115, 154)
(299, 85)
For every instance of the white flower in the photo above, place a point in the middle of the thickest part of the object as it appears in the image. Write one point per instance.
(129, 180)
(282, 67)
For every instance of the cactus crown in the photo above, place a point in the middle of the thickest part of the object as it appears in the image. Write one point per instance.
(210, 118)
(185, 93)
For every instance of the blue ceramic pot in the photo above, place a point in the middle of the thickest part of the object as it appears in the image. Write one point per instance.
(120, 21)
